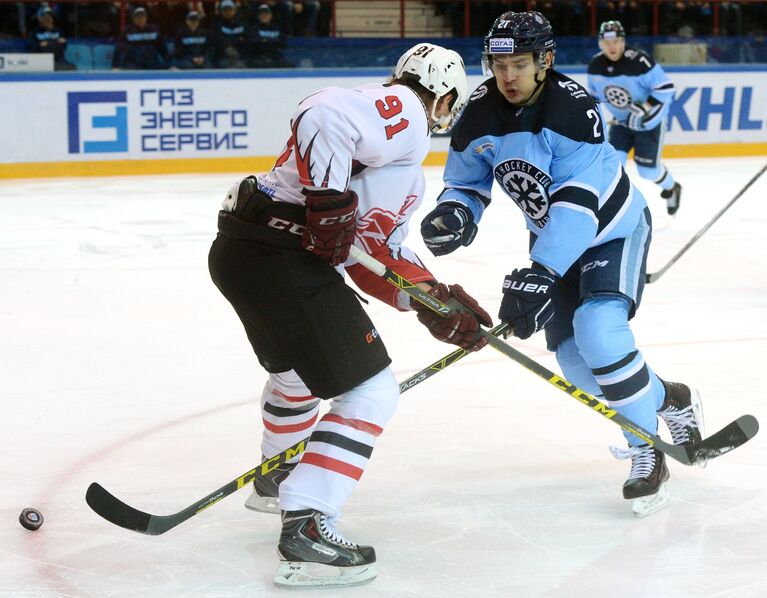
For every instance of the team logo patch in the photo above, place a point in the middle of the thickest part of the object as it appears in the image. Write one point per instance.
(527, 185)
(483, 147)
(478, 93)
(617, 96)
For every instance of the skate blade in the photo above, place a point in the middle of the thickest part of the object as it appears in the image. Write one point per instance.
(647, 505)
(292, 574)
(697, 409)
(263, 504)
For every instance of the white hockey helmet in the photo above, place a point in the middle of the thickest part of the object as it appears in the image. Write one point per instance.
(440, 71)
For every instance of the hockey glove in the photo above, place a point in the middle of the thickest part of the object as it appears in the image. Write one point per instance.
(528, 300)
(331, 224)
(654, 114)
(447, 227)
(461, 327)
(637, 114)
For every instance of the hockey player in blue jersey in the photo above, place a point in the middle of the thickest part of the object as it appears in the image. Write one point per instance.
(638, 94)
(539, 137)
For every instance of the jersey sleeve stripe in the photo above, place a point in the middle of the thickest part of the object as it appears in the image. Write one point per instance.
(614, 208)
(577, 208)
(577, 198)
(611, 189)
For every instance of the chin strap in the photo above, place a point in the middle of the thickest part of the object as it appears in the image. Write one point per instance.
(536, 91)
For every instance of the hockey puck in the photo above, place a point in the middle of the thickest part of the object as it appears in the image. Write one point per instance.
(31, 519)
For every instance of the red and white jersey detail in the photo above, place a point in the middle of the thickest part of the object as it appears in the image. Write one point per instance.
(334, 132)
(392, 195)
(375, 125)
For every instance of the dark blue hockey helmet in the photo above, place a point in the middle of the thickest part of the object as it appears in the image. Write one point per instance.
(519, 33)
(611, 30)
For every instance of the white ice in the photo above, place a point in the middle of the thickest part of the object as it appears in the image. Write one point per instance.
(121, 363)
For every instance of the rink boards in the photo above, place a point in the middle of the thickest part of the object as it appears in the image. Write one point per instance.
(68, 124)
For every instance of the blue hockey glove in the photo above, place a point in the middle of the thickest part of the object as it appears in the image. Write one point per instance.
(528, 300)
(654, 114)
(448, 227)
(645, 118)
(637, 114)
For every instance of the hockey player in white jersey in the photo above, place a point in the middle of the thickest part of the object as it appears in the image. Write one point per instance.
(538, 136)
(350, 173)
(638, 93)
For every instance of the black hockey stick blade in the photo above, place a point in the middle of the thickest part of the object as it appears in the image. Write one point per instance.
(117, 512)
(728, 438)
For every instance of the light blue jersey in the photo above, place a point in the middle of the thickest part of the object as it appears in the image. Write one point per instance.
(634, 78)
(552, 160)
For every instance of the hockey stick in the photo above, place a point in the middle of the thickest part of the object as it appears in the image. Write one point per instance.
(656, 275)
(116, 511)
(446, 361)
(728, 438)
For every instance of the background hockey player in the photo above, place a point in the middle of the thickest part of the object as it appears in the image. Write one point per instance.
(350, 173)
(539, 136)
(638, 93)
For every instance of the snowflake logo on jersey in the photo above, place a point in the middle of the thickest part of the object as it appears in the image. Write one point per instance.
(617, 96)
(376, 226)
(528, 186)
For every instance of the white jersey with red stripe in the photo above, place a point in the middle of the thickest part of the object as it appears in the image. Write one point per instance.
(373, 140)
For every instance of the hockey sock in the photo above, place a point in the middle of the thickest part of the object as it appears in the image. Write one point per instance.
(607, 345)
(340, 447)
(575, 369)
(662, 176)
(288, 410)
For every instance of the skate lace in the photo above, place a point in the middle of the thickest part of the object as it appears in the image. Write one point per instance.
(679, 422)
(642, 459)
(330, 533)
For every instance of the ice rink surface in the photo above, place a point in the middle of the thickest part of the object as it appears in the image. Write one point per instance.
(121, 363)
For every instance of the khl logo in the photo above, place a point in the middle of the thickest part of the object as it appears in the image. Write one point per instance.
(118, 121)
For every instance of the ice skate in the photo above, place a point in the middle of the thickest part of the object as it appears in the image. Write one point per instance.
(314, 554)
(682, 411)
(646, 485)
(673, 198)
(266, 490)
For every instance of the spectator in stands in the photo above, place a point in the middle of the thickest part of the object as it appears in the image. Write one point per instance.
(141, 46)
(293, 17)
(95, 19)
(268, 41)
(304, 18)
(46, 37)
(731, 19)
(191, 47)
(231, 39)
(167, 15)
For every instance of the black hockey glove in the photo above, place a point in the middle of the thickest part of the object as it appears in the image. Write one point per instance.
(448, 227)
(461, 327)
(528, 300)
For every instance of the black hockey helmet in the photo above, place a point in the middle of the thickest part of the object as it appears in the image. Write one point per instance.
(611, 30)
(519, 33)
